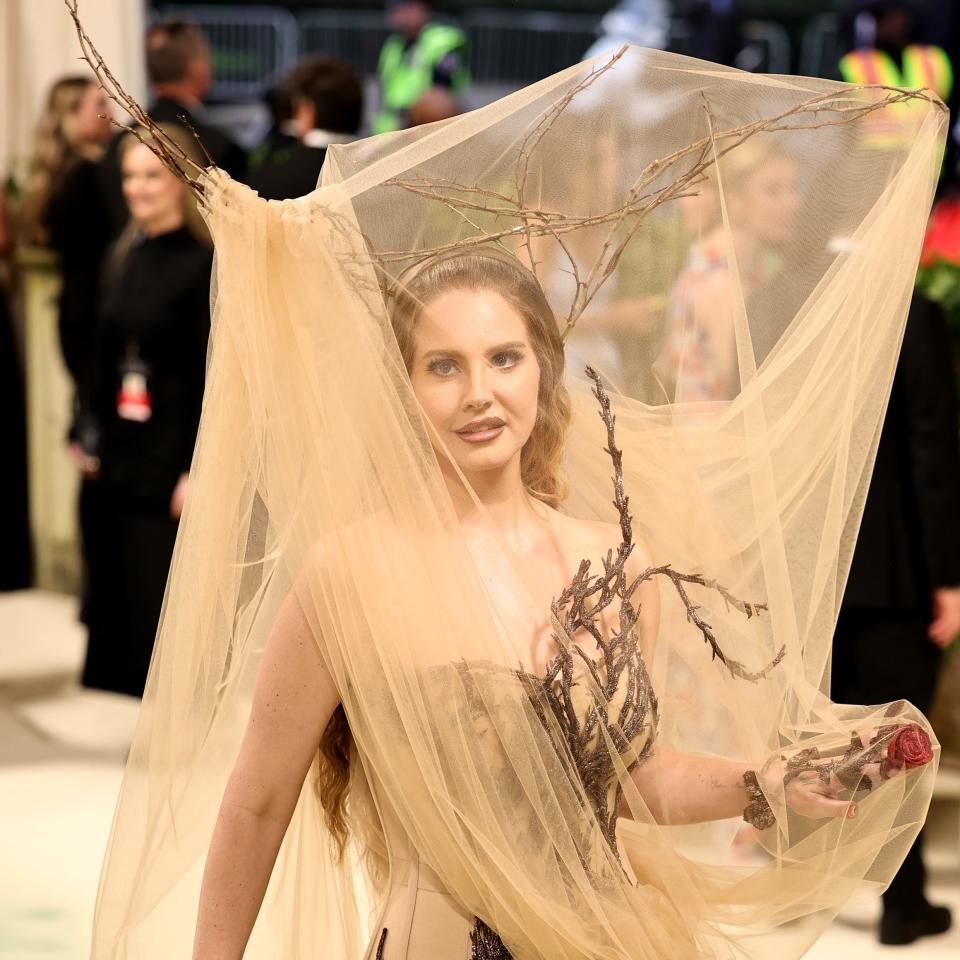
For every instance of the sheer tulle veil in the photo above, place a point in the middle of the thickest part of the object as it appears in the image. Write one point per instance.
(625, 183)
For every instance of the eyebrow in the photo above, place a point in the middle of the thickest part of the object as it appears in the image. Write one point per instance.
(512, 345)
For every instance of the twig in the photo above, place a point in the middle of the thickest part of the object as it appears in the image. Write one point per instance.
(832, 108)
(618, 668)
(169, 152)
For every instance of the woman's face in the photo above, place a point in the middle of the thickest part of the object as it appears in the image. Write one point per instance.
(92, 117)
(153, 194)
(476, 376)
(768, 201)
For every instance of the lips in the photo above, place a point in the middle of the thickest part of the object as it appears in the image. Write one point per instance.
(487, 423)
(479, 430)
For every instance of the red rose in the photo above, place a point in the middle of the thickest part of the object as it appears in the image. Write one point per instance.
(909, 747)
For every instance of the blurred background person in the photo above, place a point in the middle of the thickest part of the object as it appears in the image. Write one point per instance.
(644, 23)
(179, 71)
(419, 54)
(78, 228)
(144, 410)
(712, 30)
(432, 105)
(883, 49)
(698, 359)
(15, 553)
(901, 607)
(281, 135)
(326, 97)
(71, 129)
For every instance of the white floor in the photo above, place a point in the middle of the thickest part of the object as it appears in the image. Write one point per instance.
(61, 759)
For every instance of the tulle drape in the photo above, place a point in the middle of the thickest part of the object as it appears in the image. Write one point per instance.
(315, 471)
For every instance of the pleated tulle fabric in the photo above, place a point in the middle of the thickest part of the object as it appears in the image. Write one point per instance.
(746, 457)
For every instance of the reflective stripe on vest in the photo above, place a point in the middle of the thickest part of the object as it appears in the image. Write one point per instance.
(923, 66)
(930, 67)
(869, 66)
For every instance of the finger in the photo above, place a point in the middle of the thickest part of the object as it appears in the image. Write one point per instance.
(837, 808)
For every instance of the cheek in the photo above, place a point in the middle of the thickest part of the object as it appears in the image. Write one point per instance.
(521, 394)
(439, 401)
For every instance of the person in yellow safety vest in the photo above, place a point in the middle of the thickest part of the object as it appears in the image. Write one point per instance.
(922, 65)
(884, 55)
(417, 56)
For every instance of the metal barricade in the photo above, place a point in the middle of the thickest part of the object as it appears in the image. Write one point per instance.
(251, 46)
(770, 45)
(520, 48)
(822, 46)
(355, 36)
(504, 48)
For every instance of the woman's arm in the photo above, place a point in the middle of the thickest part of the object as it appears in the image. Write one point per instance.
(293, 700)
(679, 787)
(682, 788)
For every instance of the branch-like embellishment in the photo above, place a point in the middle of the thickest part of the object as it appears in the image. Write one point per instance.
(518, 220)
(582, 587)
(169, 152)
(617, 668)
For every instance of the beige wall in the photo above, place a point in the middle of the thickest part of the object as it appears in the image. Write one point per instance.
(38, 44)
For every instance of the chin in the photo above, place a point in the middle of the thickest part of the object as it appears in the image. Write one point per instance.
(484, 461)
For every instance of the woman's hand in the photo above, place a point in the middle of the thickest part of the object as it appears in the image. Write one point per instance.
(810, 796)
(87, 465)
(946, 616)
(814, 789)
(179, 496)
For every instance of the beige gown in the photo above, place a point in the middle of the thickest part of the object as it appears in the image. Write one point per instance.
(419, 919)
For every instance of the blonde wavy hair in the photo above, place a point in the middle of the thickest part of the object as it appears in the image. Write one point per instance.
(56, 148)
(540, 459)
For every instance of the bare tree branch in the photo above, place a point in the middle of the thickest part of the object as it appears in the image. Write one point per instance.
(170, 153)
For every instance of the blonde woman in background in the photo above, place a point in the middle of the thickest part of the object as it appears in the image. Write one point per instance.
(698, 359)
(75, 126)
(141, 410)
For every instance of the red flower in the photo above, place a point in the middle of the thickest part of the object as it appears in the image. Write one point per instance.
(942, 241)
(909, 747)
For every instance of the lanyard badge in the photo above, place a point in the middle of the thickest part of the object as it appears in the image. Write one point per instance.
(133, 398)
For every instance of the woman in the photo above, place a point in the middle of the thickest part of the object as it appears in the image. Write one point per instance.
(485, 361)
(75, 126)
(699, 356)
(419, 691)
(144, 406)
(15, 564)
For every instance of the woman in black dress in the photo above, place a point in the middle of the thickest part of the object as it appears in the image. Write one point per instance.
(145, 396)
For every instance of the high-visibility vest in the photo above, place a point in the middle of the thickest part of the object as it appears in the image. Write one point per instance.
(406, 73)
(923, 66)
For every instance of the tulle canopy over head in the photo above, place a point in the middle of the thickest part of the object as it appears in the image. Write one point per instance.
(734, 255)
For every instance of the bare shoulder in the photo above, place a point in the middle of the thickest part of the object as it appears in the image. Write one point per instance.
(591, 539)
(328, 551)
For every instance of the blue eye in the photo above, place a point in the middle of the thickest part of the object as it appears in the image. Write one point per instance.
(442, 366)
(507, 359)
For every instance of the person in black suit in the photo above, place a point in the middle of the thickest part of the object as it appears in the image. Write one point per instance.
(327, 100)
(180, 71)
(902, 602)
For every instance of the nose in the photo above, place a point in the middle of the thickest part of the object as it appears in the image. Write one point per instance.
(477, 395)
